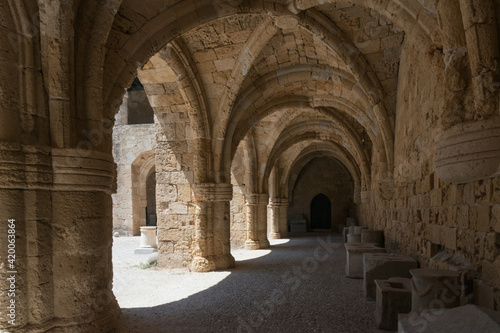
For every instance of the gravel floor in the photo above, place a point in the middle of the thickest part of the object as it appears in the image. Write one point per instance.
(299, 286)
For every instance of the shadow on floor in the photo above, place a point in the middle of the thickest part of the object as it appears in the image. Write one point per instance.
(300, 286)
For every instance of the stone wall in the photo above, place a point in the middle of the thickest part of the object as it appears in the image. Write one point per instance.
(133, 151)
(422, 214)
(238, 219)
(327, 176)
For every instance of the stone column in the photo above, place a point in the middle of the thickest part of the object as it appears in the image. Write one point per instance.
(211, 246)
(256, 211)
(82, 238)
(61, 203)
(278, 218)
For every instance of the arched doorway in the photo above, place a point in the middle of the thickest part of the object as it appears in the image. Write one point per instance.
(321, 212)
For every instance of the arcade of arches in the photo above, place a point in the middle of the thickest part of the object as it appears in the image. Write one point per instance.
(243, 111)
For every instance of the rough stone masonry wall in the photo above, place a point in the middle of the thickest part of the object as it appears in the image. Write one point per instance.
(325, 176)
(420, 213)
(130, 142)
(238, 219)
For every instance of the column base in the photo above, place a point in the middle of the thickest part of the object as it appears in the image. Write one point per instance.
(201, 264)
(251, 245)
(145, 250)
(224, 261)
(264, 244)
(275, 235)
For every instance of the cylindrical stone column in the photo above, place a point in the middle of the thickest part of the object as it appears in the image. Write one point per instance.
(278, 218)
(283, 218)
(211, 245)
(262, 221)
(60, 203)
(256, 209)
(274, 215)
(251, 211)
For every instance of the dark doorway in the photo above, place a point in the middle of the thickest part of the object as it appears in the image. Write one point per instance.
(151, 200)
(321, 212)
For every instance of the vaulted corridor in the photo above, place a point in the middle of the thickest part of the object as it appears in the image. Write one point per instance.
(297, 286)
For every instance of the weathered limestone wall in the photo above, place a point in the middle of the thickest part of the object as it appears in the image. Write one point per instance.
(325, 176)
(238, 218)
(134, 147)
(421, 214)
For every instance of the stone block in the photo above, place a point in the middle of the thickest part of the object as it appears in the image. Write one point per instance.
(353, 238)
(383, 266)
(354, 257)
(373, 236)
(298, 226)
(484, 295)
(495, 218)
(434, 289)
(359, 229)
(462, 319)
(351, 221)
(491, 273)
(393, 298)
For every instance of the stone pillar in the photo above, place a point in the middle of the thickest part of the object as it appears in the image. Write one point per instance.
(211, 246)
(278, 218)
(60, 200)
(82, 238)
(256, 211)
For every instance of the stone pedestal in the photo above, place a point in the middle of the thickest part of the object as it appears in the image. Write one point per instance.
(351, 221)
(393, 297)
(353, 238)
(359, 229)
(148, 241)
(382, 266)
(298, 224)
(354, 258)
(484, 295)
(345, 232)
(372, 236)
(434, 289)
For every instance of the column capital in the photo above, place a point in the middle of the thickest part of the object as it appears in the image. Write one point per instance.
(30, 168)
(276, 201)
(257, 198)
(78, 170)
(212, 192)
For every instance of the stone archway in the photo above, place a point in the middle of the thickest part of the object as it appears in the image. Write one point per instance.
(321, 212)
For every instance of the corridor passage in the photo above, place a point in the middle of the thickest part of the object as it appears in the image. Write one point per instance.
(299, 285)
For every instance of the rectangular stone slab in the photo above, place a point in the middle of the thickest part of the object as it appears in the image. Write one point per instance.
(383, 266)
(354, 257)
